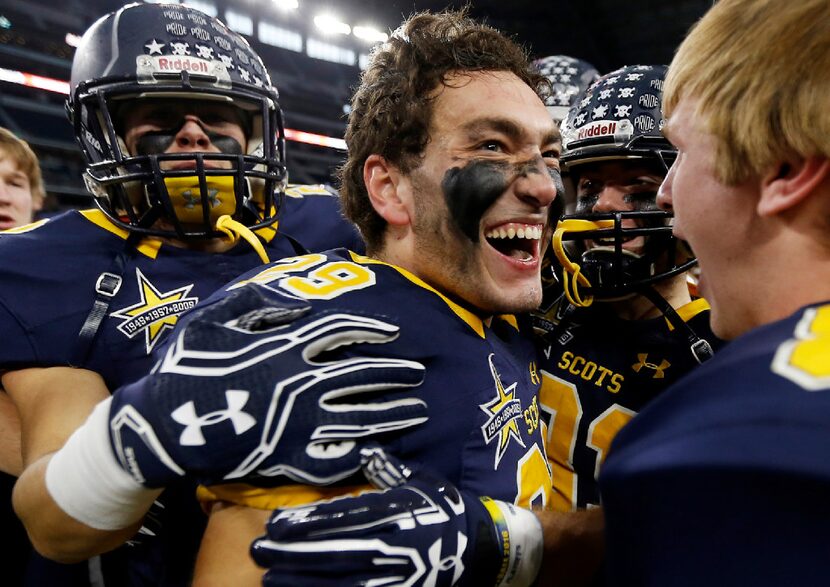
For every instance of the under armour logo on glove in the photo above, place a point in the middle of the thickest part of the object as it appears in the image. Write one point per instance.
(192, 433)
(257, 387)
(420, 531)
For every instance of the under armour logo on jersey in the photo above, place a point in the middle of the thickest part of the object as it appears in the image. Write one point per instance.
(192, 433)
(659, 370)
(534, 374)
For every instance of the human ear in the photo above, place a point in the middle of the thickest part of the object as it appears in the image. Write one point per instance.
(384, 184)
(790, 183)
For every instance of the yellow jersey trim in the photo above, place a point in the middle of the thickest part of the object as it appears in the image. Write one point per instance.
(471, 319)
(690, 310)
(270, 498)
(149, 246)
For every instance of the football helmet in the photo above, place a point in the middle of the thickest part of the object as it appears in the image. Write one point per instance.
(619, 118)
(569, 78)
(170, 55)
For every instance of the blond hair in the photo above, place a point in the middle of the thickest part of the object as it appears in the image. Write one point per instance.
(760, 73)
(19, 151)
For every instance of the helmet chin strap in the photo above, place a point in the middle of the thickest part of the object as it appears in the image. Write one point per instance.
(233, 230)
(700, 348)
(572, 276)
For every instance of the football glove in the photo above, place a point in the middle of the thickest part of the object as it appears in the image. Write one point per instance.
(248, 389)
(419, 530)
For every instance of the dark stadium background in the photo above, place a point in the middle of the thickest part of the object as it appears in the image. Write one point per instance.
(313, 92)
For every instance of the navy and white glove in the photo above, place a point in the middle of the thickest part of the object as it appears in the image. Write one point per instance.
(419, 531)
(251, 388)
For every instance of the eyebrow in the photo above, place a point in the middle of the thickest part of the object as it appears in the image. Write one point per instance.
(507, 127)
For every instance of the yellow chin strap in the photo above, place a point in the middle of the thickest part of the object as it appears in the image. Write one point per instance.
(186, 196)
(572, 277)
(234, 230)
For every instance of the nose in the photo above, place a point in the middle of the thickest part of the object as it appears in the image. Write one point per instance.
(611, 199)
(664, 195)
(5, 195)
(537, 185)
(191, 135)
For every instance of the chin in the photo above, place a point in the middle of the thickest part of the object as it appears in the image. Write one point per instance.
(515, 302)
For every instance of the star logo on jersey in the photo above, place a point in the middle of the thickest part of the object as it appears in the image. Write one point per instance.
(643, 363)
(156, 312)
(503, 413)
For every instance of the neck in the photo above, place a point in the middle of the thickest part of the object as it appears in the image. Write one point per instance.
(674, 290)
(212, 245)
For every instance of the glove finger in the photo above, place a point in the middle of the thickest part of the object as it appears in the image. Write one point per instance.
(381, 469)
(247, 299)
(212, 348)
(346, 562)
(345, 381)
(375, 514)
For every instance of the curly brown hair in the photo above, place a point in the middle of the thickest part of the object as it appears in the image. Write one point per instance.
(392, 108)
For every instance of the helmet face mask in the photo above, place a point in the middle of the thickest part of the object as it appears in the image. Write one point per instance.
(609, 252)
(171, 54)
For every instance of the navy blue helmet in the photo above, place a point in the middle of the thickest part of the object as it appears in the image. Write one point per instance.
(618, 118)
(167, 55)
(569, 78)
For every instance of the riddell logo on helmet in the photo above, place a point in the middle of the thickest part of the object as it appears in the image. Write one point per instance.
(599, 128)
(182, 64)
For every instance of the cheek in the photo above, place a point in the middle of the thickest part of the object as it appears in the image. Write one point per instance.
(470, 190)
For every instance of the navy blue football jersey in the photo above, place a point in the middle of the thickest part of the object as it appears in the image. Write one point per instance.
(312, 214)
(484, 431)
(598, 371)
(724, 479)
(48, 276)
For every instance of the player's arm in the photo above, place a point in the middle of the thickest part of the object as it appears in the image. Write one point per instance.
(425, 531)
(214, 410)
(224, 554)
(11, 459)
(52, 403)
(574, 546)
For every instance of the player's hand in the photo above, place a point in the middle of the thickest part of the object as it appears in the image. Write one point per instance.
(419, 531)
(248, 389)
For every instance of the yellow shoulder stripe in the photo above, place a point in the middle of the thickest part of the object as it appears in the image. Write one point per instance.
(690, 310)
(149, 246)
(297, 190)
(471, 319)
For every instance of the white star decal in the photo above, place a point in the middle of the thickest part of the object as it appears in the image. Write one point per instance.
(599, 112)
(154, 47)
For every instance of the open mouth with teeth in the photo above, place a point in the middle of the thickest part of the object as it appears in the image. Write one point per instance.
(516, 240)
(631, 244)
